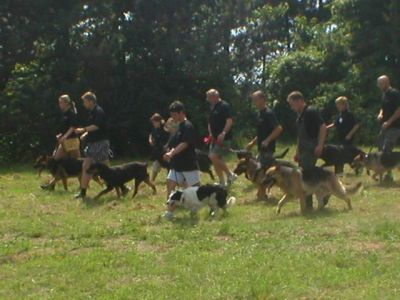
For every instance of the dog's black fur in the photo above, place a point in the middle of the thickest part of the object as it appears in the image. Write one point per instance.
(203, 160)
(116, 177)
(339, 155)
(207, 190)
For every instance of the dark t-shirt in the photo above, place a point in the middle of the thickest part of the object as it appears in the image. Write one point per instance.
(217, 120)
(69, 119)
(97, 117)
(266, 123)
(390, 103)
(344, 123)
(160, 137)
(312, 120)
(185, 160)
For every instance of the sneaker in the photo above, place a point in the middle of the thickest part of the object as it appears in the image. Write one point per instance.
(47, 187)
(231, 179)
(80, 195)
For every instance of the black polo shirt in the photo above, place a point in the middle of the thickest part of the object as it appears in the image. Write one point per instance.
(266, 123)
(69, 119)
(312, 120)
(390, 103)
(217, 120)
(344, 123)
(97, 117)
(185, 160)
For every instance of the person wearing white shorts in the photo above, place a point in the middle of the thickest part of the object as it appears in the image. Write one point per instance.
(184, 170)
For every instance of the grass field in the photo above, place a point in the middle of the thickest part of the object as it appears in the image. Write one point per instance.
(54, 247)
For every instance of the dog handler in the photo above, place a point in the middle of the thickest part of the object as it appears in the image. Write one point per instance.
(311, 134)
(268, 129)
(184, 168)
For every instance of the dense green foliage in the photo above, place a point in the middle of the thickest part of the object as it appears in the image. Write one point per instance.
(139, 55)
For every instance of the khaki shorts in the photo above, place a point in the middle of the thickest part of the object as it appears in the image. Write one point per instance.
(220, 150)
(188, 178)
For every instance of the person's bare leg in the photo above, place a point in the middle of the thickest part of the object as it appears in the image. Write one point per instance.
(217, 167)
(171, 185)
(59, 153)
(85, 178)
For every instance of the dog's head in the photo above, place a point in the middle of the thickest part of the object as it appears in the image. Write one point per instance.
(176, 197)
(241, 166)
(358, 163)
(240, 154)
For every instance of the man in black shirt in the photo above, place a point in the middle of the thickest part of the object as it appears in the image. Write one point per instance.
(389, 118)
(181, 154)
(220, 124)
(311, 134)
(268, 129)
(346, 123)
(98, 146)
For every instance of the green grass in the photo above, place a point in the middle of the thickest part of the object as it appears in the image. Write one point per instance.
(54, 247)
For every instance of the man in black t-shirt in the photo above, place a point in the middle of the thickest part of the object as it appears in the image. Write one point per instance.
(98, 146)
(311, 134)
(220, 124)
(268, 129)
(346, 123)
(389, 115)
(184, 168)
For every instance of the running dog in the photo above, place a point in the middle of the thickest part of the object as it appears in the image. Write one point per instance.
(255, 172)
(115, 177)
(378, 162)
(298, 183)
(339, 155)
(196, 197)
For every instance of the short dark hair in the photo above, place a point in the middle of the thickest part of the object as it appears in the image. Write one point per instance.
(296, 95)
(176, 107)
(90, 96)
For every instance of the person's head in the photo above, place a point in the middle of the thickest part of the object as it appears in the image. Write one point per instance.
(342, 103)
(259, 99)
(89, 100)
(296, 101)
(177, 111)
(156, 120)
(213, 96)
(383, 83)
(65, 103)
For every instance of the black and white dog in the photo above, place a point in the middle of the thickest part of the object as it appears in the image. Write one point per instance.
(196, 197)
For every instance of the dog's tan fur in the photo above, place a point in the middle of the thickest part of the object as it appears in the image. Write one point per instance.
(290, 181)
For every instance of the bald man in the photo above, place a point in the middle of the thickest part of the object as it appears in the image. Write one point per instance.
(389, 117)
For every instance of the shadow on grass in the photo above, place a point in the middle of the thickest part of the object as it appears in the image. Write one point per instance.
(314, 214)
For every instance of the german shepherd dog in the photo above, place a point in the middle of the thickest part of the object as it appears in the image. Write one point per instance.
(61, 169)
(255, 172)
(298, 183)
(339, 155)
(378, 162)
(115, 177)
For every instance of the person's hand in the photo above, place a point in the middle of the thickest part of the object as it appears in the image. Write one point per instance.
(318, 150)
(58, 136)
(250, 145)
(264, 144)
(385, 125)
(83, 136)
(348, 137)
(379, 118)
(296, 157)
(168, 156)
(220, 138)
(151, 142)
(61, 139)
(79, 130)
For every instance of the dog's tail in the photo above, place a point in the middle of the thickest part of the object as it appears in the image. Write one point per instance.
(231, 201)
(353, 189)
(283, 154)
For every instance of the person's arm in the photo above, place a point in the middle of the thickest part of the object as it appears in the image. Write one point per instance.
(380, 115)
(173, 152)
(273, 136)
(392, 119)
(251, 143)
(321, 139)
(151, 140)
(67, 134)
(349, 136)
(227, 128)
(89, 128)
(330, 126)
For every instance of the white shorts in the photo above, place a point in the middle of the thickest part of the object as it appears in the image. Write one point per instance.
(188, 178)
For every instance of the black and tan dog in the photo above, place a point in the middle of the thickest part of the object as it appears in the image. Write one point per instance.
(378, 162)
(60, 169)
(339, 155)
(255, 172)
(115, 177)
(297, 183)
